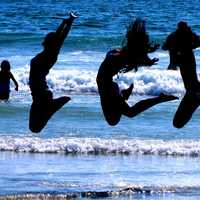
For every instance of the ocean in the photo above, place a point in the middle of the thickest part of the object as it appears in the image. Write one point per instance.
(78, 155)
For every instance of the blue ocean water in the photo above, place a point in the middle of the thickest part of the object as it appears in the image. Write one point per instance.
(78, 151)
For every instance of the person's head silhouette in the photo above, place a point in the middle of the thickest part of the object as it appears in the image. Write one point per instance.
(49, 40)
(5, 66)
(183, 26)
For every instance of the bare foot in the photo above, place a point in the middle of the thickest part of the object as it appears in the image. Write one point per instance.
(127, 92)
(167, 97)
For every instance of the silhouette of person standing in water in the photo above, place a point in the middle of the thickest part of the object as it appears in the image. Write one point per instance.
(131, 56)
(174, 56)
(44, 105)
(5, 76)
(185, 41)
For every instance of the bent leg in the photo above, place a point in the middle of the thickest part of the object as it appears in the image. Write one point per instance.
(127, 92)
(145, 104)
(187, 107)
(112, 118)
(111, 110)
(40, 113)
(110, 102)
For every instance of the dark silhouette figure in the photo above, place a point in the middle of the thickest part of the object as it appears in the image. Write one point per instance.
(174, 56)
(185, 42)
(5, 76)
(133, 55)
(44, 105)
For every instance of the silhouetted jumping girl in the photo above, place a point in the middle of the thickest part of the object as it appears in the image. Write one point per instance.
(44, 105)
(131, 56)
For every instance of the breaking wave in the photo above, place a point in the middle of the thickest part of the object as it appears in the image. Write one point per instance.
(146, 81)
(97, 146)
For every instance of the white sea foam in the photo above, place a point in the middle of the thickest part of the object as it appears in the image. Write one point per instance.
(146, 81)
(126, 192)
(75, 72)
(78, 146)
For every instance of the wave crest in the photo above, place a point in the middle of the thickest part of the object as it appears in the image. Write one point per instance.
(146, 82)
(96, 146)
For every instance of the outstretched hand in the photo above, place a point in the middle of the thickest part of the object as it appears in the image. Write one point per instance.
(73, 15)
(154, 61)
(71, 18)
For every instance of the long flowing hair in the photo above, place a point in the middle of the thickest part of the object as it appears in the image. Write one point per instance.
(137, 39)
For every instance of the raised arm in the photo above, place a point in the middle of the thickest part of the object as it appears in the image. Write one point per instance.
(64, 28)
(61, 27)
(14, 80)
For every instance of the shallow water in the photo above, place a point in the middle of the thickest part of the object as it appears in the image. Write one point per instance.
(153, 177)
(78, 154)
